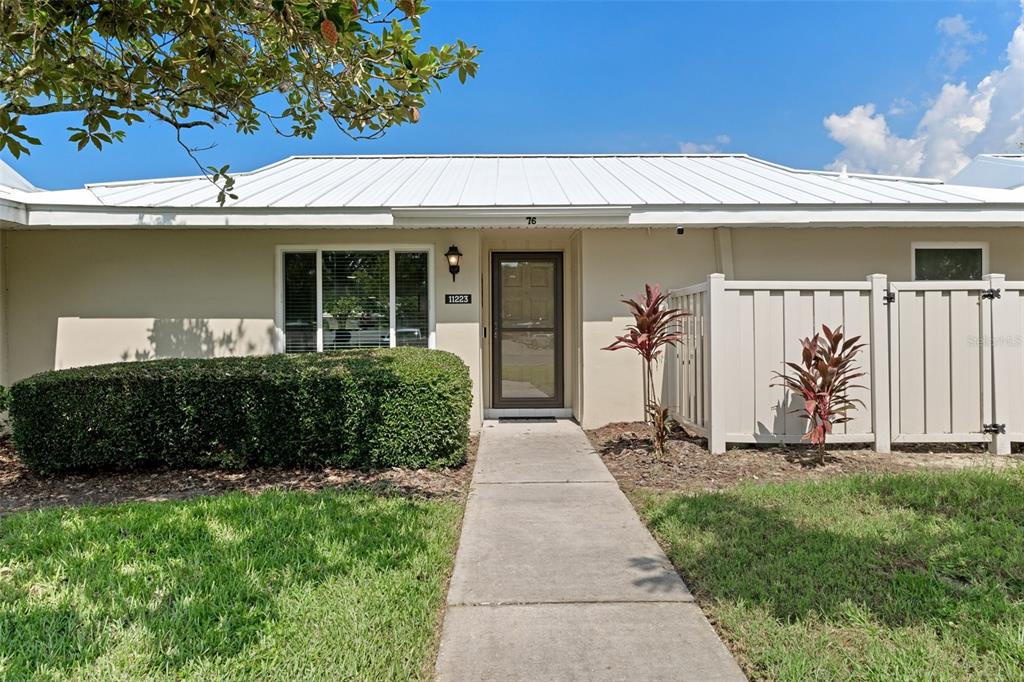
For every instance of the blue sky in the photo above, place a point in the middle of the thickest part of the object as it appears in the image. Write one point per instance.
(584, 77)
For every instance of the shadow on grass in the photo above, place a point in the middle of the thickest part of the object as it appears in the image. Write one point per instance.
(199, 579)
(945, 551)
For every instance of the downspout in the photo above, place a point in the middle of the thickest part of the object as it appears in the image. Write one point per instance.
(723, 252)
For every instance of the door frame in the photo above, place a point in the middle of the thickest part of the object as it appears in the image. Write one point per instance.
(558, 401)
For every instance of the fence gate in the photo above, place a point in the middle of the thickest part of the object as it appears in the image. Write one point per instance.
(950, 367)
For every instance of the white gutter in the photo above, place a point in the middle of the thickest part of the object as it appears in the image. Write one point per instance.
(17, 215)
(12, 212)
(943, 215)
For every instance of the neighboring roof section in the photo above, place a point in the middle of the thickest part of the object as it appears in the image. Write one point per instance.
(1005, 171)
(635, 180)
(10, 178)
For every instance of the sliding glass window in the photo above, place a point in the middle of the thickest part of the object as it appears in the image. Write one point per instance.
(367, 298)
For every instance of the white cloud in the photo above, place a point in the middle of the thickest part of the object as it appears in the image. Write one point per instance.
(961, 122)
(705, 147)
(957, 39)
(900, 106)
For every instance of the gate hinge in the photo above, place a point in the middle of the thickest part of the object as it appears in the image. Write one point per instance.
(889, 297)
(993, 428)
(991, 293)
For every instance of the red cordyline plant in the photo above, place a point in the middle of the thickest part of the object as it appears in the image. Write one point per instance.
(653, 328)
(823, 380)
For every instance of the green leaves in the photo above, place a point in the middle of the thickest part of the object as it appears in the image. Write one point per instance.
(205, 63)
(13, 136)
(220, 178)
(380, 408)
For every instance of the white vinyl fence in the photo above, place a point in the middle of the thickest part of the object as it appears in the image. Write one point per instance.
(944, 361)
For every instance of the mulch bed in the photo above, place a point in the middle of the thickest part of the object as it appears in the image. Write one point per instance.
(21, 490)
(628, 452)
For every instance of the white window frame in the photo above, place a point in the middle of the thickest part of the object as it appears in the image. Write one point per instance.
(318, 249)
(914, 246)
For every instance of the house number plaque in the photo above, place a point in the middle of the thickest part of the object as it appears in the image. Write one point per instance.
(458, 298)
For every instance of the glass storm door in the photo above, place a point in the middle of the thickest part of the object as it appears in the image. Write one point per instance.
(527, 330)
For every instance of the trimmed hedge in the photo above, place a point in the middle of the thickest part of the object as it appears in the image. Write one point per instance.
(406, 407)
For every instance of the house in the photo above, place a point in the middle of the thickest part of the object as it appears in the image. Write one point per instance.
(517, 263)
(992, 170)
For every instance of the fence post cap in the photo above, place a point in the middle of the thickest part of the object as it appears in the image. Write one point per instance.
(877, 276)
(716, 275)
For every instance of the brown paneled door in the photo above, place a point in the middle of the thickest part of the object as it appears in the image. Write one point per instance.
(526, 330)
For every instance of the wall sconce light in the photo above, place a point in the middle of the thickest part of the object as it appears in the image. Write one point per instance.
(454, 256)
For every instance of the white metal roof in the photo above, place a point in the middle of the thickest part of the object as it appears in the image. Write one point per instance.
(609, 190)
(634, 180)
(11, 179)
(992, 170)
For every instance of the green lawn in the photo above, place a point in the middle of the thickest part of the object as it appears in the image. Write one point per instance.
(334, 585)
(908, 577)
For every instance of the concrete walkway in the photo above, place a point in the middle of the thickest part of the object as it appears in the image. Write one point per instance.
(556, 577)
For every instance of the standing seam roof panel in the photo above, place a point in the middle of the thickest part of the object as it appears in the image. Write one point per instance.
(340, 192)
(544, 186)
(828, 192)
(721, 193)
(256, 183)
(650, 191)
(450, 185)
(148, 194)
(945, 195)
(511, 186)
(682, 190)
(613, 190)
(481, 184)
(288, 189)
(759, 193)
(300, 175)
(320, 186)
(578, 190)
(857, 194)
(414, 190)
(378, 193)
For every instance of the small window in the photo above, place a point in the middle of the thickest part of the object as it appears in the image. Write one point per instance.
(367, 298)
(299, 302)
(949, 261)
(412, 300)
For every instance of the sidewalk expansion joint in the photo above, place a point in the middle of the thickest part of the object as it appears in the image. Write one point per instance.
(587, 602)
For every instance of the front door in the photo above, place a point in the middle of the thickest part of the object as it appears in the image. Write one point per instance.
(526, 330)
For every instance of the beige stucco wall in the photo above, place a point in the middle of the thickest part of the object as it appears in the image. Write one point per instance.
(74, 297)
(854, 253)
(615, 263)
(91, 296)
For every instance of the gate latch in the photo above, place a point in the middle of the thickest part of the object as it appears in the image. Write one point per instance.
(889, 297)
(991, 293)
(993, 428)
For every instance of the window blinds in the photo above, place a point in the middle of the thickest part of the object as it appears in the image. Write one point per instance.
(356, 289)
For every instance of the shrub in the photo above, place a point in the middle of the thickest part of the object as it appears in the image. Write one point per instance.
(823, 381)
(405, 407)
(653, 328)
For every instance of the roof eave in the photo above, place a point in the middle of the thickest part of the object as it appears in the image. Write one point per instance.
(40, 216)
